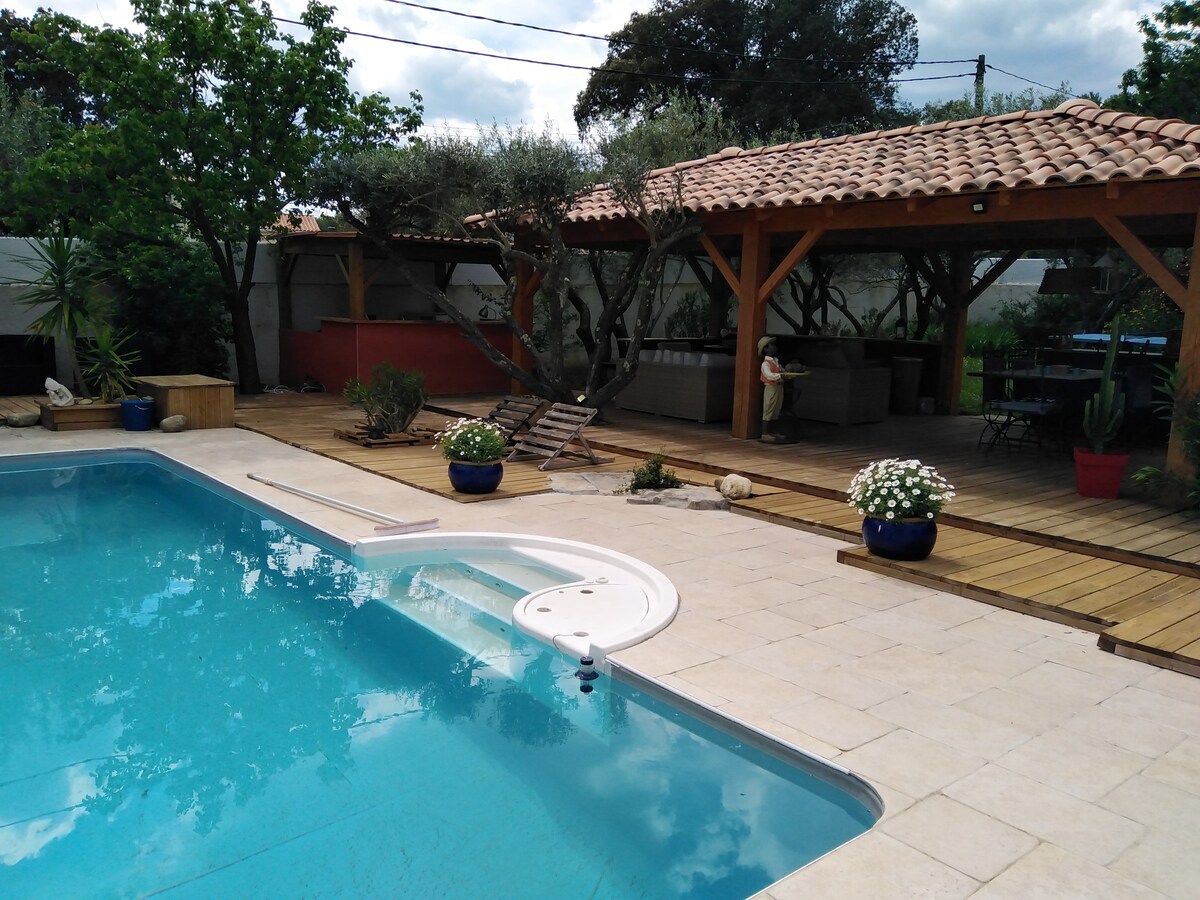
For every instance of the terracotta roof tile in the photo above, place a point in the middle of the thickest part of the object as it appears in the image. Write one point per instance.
(1077, 143)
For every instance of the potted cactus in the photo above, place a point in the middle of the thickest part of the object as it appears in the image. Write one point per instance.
(1098, 471)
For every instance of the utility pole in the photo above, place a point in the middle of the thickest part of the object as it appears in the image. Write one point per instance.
(980, 66)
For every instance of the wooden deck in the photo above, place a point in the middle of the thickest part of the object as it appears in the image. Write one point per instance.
(1016, 536)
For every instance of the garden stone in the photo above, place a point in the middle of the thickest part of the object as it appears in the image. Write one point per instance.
(735, 487)
(682, 498)
(173, 424)
(23, 419)
(605, 483)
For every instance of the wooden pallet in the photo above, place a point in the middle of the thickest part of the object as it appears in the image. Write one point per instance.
(400, 439)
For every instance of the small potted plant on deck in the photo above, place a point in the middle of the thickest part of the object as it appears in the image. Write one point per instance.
(390, 399)
(1098, 470)
(106, 364)
(474, 448)
(900, 500)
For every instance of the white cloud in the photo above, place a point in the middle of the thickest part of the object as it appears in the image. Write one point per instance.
(1049, 41)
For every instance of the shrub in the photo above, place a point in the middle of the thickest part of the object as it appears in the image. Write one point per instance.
(650, 476)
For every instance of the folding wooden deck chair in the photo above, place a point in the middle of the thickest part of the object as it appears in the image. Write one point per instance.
(553, 435)
(514, 414)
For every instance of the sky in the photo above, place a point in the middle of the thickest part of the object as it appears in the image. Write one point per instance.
(1048, 42)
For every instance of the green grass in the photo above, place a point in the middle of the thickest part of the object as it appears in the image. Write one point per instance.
(970, 398)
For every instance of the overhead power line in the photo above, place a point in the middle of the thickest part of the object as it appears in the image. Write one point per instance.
(612, 71)
(1023, 78)
(648, 45)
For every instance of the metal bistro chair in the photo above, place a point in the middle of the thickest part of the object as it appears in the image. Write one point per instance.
(1032, 415)
(994, 391)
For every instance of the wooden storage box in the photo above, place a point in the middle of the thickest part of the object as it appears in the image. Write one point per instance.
(205, 402)
(81, 417)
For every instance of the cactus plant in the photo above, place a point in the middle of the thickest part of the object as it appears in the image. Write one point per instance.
(1104, 412)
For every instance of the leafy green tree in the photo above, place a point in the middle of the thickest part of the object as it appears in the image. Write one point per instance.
(517, 188)
(773, 66)
(995, 104)
(1167, 83)
(27, 69)
(217, 121)
(27, 128)
(168, 298)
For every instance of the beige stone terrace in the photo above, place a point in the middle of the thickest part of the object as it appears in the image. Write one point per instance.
(1016, 759)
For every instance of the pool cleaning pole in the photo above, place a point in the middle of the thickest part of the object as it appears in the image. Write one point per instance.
(391, 524)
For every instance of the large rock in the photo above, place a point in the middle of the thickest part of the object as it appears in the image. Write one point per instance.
(173, 424)
(735, 487)
(23, 419)
(682, 498)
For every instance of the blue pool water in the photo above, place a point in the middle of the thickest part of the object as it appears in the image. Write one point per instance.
(198, 700)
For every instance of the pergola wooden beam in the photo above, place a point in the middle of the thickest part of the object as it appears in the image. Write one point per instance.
(1146, 259)
(1188, 381)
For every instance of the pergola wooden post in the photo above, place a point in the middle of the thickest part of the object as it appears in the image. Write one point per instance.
(1187, 298)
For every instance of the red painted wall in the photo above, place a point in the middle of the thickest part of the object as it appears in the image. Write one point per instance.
(342, 350)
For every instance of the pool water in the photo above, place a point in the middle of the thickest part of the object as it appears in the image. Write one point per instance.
(197, 699)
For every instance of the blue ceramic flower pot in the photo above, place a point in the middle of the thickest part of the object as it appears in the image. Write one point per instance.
(476, 478)
(911, 540)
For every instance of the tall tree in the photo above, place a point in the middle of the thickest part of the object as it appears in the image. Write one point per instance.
(27, 69)
(514, 190)
(217, 120)
(1167, 83)
(773, 66)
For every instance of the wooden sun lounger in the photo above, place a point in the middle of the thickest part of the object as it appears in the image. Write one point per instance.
(558, 436)
(514, 414)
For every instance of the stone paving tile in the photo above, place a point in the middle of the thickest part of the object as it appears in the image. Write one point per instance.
(1051, 873)
(1032, 714)
(768, 624)
(712, 634)
(950, 725)
(1065, 684)
(959, 836)
(989, 658)
(1127, 732)
(835, 723)
(761, 718)
(1173, 684)
(1179, 766)
(1075, 763)
(945, 680)
(873, 595)
(1156, 804)
(943, 610)
(1166, 861)
(741, 683)
(1158, 708)
(820, 610)
(849, 639)
(795, 574)
(891, 624)
(790, 658)
(850, 688)
(889, 759)
(990, 631)
(664, 653)
(693, 570)
(697, 693)
(1088, 659)
(1052, 815)
(875, 866)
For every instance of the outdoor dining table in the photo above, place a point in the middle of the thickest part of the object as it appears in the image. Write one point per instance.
(1042, 391)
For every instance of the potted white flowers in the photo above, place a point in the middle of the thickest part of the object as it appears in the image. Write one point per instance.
(474, 449)
(900, 500)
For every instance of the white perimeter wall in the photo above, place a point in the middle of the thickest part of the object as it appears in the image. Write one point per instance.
(318, 289)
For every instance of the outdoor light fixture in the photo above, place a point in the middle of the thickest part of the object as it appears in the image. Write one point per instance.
(979, 207)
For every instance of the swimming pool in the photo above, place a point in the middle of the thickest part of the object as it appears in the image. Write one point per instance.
(206, 698)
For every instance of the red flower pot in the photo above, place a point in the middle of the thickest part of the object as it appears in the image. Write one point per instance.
(1099, 474)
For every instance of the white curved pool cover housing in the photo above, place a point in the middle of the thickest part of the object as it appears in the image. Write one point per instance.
(614, 602)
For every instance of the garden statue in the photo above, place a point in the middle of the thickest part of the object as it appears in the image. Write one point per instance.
(60, 394)
(771, 376)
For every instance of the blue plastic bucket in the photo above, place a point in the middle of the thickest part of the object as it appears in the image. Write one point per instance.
(138, 415)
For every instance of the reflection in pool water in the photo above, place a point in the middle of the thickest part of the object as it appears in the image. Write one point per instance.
(196, 697)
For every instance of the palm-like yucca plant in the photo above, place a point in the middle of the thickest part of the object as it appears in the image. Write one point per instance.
(1104, 412)
(107, 364)
(68, 282)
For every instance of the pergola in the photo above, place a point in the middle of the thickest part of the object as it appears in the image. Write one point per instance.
(1076, 176)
